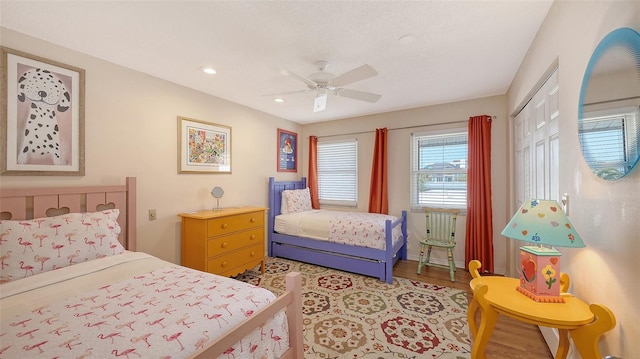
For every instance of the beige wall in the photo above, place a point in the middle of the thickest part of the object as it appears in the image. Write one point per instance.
(606, 214)
(401, 124)
(131, 130)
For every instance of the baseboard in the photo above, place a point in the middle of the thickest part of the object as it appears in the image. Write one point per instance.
(445, 263)
(436, 261)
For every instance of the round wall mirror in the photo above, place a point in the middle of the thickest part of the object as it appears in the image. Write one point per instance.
(609, 109)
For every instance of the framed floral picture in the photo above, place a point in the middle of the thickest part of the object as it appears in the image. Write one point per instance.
(203, 147)
(287, 151)
(42, 116)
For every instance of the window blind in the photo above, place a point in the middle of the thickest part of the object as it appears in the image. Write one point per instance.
(439, 170)
(338, 172)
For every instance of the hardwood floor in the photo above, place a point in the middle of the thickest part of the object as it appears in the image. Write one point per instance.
(511, 338)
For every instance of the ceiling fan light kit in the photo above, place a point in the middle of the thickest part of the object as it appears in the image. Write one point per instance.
(324, 83)
(320, 103)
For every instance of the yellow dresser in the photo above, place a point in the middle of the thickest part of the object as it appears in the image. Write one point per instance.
(225, 242)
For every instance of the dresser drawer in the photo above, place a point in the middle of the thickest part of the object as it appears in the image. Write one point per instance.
(222, 245)
(231, 260)
(224, 225)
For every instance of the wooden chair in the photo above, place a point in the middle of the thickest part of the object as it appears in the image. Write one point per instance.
(441, 233)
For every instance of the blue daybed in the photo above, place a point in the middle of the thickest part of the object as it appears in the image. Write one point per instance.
(367, 261)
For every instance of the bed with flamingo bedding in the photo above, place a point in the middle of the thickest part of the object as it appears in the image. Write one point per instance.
(71, 289)
(364, 243)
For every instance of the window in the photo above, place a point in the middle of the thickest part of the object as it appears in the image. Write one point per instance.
(338, 173)
(439, 170)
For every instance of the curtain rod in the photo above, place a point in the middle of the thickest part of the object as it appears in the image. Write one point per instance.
(402, 128)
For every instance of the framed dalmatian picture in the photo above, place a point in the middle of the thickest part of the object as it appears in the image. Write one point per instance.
(203, 147)
(43, 122)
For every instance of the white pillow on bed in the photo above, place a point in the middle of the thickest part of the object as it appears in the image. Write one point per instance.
(293, 201)
(30, 247)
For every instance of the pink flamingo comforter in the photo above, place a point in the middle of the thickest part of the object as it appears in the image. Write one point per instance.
(131, 305)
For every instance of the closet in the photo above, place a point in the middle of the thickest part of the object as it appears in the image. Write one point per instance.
(536, 151)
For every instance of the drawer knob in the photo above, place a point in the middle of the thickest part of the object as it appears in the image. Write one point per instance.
(224, 264)
(253, 236)
(253, 254)
(252, 220)
(224, 226)
(224, 245)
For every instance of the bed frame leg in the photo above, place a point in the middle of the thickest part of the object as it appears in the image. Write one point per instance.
(293, 283)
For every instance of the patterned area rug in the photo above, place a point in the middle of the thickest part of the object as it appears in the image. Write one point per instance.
(346, 315)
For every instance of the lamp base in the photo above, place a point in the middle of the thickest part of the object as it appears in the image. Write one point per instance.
(540, 298)
(540, 274)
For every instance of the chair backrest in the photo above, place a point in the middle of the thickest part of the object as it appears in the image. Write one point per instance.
(441, 223)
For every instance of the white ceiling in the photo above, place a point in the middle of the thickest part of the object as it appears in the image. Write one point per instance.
(462, 49)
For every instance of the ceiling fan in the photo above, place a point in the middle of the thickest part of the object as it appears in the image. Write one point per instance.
(323, 83)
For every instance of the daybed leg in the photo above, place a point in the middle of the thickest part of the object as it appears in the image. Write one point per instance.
(389, 271)
(405, 236)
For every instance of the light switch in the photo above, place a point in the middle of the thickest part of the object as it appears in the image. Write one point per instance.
(565, 203)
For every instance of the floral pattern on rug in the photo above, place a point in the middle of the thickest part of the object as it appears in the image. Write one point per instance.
(352, 316)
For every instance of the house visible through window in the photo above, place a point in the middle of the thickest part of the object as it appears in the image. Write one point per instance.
(338, 173)
(439, 170)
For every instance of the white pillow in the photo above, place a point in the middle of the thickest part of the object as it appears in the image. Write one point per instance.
(284, 209)
(30, 247)
(298, 200)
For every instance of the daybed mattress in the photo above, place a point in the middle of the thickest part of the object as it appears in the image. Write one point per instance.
(352, 228)
(132, 305)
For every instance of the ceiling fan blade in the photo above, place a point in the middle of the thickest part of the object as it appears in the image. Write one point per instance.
(287, 72)
(361, 73)
(288, 93)
(358, 95)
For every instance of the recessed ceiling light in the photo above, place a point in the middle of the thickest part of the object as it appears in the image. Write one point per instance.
(406, 39)
(278, 100)
(208, 70)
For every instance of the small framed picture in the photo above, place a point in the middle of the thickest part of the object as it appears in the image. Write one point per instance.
(43, 116)
(287, 151)
(203, 147)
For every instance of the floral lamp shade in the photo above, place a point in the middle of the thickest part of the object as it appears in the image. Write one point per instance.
(543, 222)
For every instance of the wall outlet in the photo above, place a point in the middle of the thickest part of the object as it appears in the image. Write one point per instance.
(152, 215)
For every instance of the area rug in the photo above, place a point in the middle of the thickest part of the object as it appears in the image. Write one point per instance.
(352, 316)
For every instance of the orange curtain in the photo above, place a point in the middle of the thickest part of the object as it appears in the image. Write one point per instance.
(378, 196)
(312, 181)
(479, 229)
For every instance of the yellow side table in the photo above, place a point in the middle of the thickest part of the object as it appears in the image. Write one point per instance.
(498, 295)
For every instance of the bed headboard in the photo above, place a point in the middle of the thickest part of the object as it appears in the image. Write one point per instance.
(275, 196)
(29, 203)
(275, 192)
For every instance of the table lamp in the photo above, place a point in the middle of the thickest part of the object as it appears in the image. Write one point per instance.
(542, 222)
